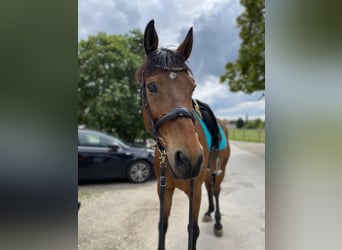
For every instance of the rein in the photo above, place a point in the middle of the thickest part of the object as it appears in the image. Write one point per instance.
(176, 113)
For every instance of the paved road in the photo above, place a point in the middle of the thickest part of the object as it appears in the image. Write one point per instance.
(122, 216)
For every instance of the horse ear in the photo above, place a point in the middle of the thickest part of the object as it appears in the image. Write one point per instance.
(150, 38)
(185, 47)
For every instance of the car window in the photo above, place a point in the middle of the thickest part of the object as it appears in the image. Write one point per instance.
(90, 140)
(106, 140)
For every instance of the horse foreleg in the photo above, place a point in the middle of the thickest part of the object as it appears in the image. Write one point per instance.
(209, 186)
(196, 233)
(195, 212)
(167, 207)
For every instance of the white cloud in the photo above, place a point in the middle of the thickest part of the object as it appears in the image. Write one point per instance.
(210, 89)
(254, 109)
(226, 104)
(119, 16)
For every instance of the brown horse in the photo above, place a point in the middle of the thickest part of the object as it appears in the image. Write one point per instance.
(182, 157)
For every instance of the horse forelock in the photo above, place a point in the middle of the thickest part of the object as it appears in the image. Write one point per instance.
(163, 58)
(166, 58)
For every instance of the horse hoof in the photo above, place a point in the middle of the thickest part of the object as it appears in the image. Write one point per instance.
(218, 232)
(206, 218)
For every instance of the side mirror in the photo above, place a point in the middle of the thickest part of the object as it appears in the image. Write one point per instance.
(114, 147)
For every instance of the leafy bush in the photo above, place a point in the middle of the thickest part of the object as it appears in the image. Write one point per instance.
(254, 124)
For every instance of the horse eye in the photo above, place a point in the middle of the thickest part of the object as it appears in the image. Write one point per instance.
(152, 87)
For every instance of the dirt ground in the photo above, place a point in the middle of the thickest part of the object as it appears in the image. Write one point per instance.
(122, 215)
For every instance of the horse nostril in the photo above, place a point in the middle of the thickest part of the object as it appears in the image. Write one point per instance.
(182, 160)
(179, 158)
(185, 166)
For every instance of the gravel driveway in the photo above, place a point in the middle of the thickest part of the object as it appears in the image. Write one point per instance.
(124, 216)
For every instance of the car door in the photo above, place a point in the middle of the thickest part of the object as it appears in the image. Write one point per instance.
(99, 161)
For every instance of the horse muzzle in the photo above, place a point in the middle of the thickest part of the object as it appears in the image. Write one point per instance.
(185, 168)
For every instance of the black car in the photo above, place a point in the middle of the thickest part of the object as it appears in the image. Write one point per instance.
(103, 157)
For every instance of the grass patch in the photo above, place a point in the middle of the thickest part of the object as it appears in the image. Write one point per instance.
(252, 135)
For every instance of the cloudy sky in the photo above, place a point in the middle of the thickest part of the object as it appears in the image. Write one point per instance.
(216, 41)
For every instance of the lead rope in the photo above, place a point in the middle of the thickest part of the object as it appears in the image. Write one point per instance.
(191, 222)
(161, 198)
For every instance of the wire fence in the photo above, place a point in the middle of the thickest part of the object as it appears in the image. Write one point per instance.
(253, 135)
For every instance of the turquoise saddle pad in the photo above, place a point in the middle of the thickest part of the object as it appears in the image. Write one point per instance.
(208, 137)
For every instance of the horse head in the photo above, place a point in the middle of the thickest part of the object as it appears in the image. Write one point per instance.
(166, 87)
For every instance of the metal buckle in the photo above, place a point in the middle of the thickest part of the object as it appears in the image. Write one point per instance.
(162, 181)
(162, 168)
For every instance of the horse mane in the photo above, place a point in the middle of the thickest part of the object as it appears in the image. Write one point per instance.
(162, 59)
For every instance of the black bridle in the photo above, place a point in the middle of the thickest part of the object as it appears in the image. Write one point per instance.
(177, 112)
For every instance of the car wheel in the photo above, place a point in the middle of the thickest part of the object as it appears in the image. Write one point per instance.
(139, 171)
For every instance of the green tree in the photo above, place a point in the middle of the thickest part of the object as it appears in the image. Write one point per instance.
(240, 123)
(108, 99)
(247, 73)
